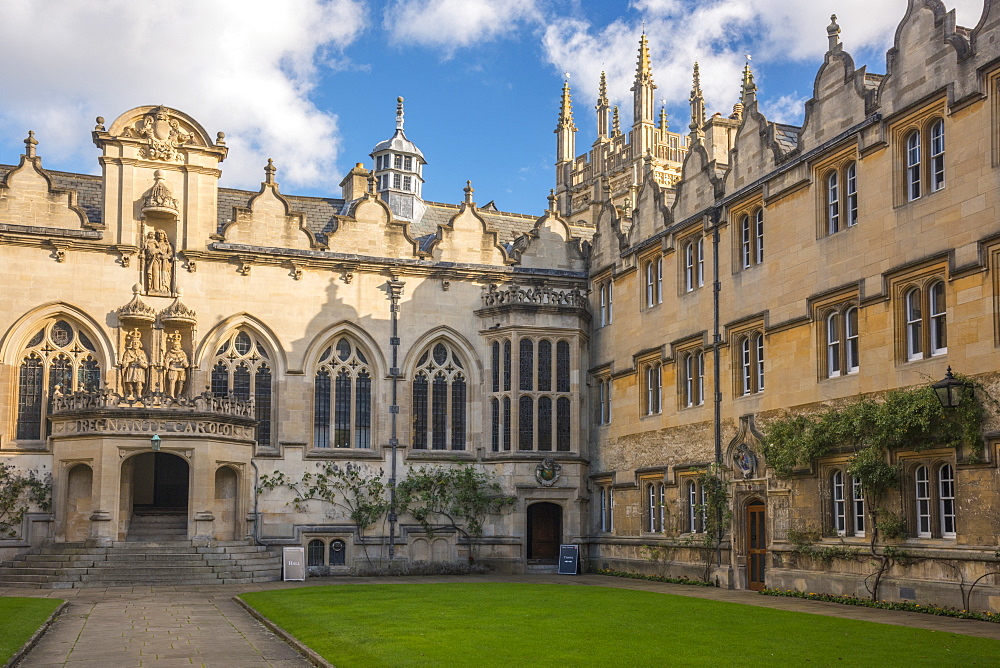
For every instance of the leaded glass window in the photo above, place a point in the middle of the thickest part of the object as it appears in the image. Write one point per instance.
(545, 423)
(342, 418)
(241, 370)
(526, 423)
(439, 417)
(59, 355)
(544, 365)
(527, 365)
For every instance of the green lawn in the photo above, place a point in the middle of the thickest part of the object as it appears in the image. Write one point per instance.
(19, 618)
(513, 625)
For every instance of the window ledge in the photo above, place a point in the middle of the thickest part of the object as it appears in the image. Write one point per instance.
(343, 453)
(422, 455)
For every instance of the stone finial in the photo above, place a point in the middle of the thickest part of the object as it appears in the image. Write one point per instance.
(468, 193)
(552, 200)
(566, 109)
(269, 172)
(100, 124)
(29, 145)
(616, 125)
(749, 88)
(663, 121)
(833, 32)
(399, 114)
(371, 182)
(697, 100)
(220, 138)
(602, 97)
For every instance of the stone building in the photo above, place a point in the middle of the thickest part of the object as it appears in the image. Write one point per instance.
(167, 341)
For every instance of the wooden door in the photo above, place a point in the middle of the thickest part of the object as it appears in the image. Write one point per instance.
(544, 532)
(756, 545)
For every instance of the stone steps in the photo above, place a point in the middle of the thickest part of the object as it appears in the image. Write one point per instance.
(129, 563)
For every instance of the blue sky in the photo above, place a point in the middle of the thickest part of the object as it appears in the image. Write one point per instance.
(313, 83)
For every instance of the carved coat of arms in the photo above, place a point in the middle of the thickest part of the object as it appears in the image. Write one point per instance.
(547, 472)
(745, 461)
(164, 135)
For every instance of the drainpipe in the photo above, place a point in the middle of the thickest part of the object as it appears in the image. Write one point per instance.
(395, 291)
(256, 515)
(716, 338)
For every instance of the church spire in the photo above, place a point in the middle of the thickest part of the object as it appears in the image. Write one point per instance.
(565, 133)
(602, 108)
(663, 122)
(697, 106)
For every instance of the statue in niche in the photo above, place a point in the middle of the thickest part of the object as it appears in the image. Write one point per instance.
(134, 365)
(158, 255)
(175, 361)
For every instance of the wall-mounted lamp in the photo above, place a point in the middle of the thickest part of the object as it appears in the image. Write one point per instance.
(155, 442)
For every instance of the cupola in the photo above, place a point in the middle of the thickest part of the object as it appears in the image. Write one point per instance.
(399, 167)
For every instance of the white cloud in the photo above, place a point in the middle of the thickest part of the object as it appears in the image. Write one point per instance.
(787, 109)
(717, 34)
(246, 69)
(452, 24)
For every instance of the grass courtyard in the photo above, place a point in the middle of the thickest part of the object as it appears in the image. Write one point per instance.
(544, 625)
(19, 618)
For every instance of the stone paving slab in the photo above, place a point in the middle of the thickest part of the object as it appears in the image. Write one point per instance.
(119, 627)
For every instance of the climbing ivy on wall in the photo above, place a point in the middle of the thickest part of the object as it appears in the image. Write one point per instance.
(908, 419)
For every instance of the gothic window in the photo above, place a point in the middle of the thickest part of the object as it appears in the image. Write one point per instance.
(923, 159)
(694, 264)
(602, 405)
(695, 506)
(655, 507)
(751, 231)
(241, 368)
(59, 354)
(605, 291)
(842, 197)
(539, 399)
(750, 363)
(605, 505)
(654, 386)
(841, 339)
(937, 155)
(654, 281)
(342, 400)
(847, 504)
(693, 378)
(933, 498)
(439, 400)
(925, 323)
(913, 165)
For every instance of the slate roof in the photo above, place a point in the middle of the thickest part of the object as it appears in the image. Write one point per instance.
(787, 137)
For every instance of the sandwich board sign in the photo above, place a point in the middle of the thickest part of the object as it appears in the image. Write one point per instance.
(293, 563)
(569, 559)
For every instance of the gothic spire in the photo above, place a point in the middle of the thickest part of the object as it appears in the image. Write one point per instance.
(697, 105)
(616, 127)
(663, 121)
(565, 128)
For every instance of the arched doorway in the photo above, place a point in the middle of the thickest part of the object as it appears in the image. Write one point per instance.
(756, 544)
(544, 532)
(159, 496)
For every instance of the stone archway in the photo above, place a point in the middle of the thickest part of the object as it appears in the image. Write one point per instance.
(544, 532)
(156, 495)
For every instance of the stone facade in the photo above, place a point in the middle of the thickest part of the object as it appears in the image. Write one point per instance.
(680, 291)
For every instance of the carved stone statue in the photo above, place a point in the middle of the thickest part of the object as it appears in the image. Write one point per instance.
(134, 364)
(175, 361)
(158, 255)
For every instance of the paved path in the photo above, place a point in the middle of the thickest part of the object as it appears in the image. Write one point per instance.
(119, 627)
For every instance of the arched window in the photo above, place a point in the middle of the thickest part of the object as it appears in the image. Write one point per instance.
(833, 345)
(938, 318)
(562, 366)
(913, 165)
(833, 202)
(527, 365)
(695, 503)
(241, 368)
(751, 363)
(654, 281)
(746, 242)
(914, 325)
(922, 497)
(852, 350)
(61, 354)
(839, 504)
(759, 236)
(439, 419)
(544, 365)
(338, 553)
(937, 155)
(342, 404)
(858, 507)
(653, 389)
(654, 507)
(851, 179)
(946, 500)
